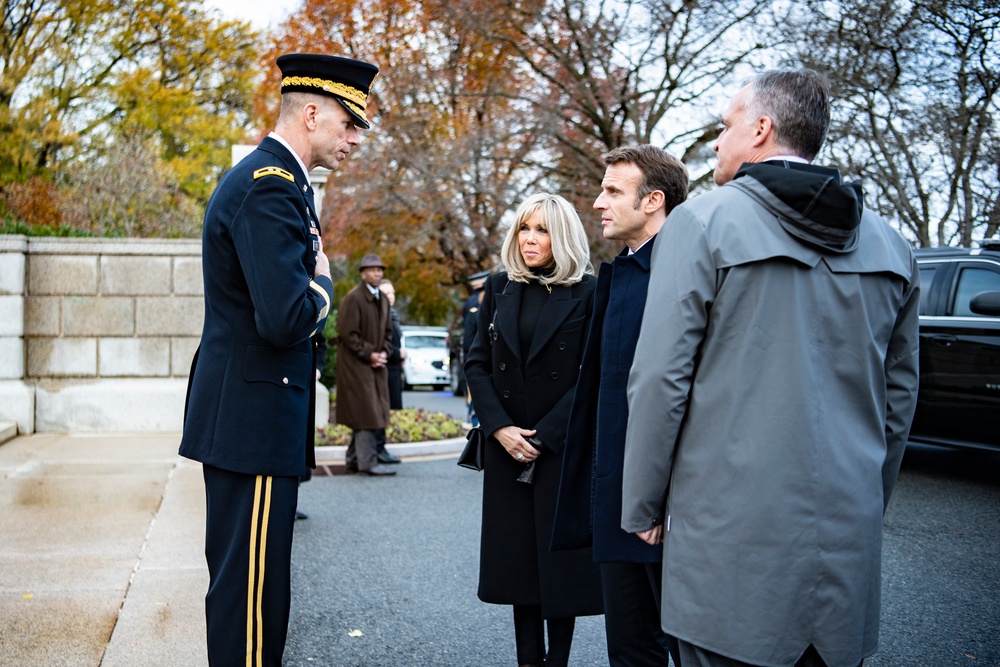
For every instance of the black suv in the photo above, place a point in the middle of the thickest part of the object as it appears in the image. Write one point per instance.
(959, 401)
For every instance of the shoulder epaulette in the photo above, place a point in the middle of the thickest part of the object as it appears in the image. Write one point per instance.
(273, 171)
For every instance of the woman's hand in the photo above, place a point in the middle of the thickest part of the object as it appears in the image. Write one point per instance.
(513, 440)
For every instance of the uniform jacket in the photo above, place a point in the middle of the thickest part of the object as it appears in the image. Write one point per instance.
(769, 403)
(363, 327)
(516, 566)
(250, 392)
(470, 320)
(589, 508)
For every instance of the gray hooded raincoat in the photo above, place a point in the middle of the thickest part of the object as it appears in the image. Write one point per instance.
(770, 398)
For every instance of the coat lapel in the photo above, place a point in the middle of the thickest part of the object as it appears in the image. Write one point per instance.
(508, 301)
(557, 308)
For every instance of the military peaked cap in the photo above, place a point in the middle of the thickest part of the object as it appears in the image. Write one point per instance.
(477, 280)
(348, 81)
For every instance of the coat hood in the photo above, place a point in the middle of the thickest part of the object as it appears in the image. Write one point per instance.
(811, 202)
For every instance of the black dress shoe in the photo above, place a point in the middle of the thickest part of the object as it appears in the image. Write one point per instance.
(300, 515)
(351, 468)
(379, 470)
(388, 457)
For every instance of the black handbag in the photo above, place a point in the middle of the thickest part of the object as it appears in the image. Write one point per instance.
(472, 455)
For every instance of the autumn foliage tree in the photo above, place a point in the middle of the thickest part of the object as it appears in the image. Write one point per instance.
(481, 103)
(613, 72)
(446, 157)
(82, 82)
(916, 87)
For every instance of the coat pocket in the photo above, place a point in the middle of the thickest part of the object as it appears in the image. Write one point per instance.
(279, 367)
(571, 325)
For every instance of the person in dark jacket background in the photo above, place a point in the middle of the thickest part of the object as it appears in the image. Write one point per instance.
(394, 366)
(470, 324)
(364, 342)
(251, 403)
(398, 354)
(522, 370)
(641, 186)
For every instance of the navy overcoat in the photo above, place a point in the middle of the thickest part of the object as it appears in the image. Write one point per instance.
(589, 508)
(250, 392)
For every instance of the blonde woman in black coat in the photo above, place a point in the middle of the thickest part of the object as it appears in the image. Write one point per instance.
(522, 371)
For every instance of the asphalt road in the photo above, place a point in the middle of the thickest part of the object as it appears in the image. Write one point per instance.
(397, 559)
(436, 401)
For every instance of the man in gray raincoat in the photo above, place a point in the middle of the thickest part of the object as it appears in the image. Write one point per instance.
(774, 382)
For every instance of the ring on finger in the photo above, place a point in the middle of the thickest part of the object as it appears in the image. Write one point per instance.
(519, 456)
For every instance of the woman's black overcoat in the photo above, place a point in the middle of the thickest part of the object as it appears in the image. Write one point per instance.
(516, 566)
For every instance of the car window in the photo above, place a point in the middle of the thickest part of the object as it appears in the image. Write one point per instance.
(971, 282)
(927, 275)
(417, 342)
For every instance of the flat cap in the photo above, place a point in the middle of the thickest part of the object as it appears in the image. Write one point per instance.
(348, 81)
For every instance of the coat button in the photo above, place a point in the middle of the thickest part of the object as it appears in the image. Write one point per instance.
(503, 366)
(506, 394)
(284, 380)
(555, 376)
(562, 346)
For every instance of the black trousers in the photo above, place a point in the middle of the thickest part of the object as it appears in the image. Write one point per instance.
(395, 386)
(248, 546)
(632, 615)
(529, 634)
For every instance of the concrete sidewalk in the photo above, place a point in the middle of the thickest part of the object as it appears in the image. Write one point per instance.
(101, 549)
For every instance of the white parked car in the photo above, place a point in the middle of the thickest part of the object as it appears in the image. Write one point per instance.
(426, 361)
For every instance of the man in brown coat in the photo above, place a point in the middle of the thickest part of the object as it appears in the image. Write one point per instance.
(364, 330)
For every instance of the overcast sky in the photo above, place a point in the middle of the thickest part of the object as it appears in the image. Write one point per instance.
(261, 13)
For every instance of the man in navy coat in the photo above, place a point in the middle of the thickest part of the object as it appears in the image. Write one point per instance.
(641, 186)
(250, 405)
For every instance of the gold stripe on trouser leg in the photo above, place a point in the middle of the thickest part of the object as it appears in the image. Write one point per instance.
(252, 568)
(260, 570)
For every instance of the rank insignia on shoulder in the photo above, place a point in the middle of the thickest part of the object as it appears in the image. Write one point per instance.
(273, 171)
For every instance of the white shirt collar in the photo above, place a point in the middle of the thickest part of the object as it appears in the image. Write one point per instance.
(787, 158)
(632, 252)
(277, 137)
(373, 290)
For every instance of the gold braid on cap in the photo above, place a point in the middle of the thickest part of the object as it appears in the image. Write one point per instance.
(349, 93)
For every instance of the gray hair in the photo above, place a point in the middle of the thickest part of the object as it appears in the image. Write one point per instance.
(570, 249)
(798, 104)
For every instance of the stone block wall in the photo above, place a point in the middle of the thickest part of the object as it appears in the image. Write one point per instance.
(97, 335)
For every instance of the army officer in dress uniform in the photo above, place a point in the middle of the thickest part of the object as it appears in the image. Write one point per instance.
(249, 412)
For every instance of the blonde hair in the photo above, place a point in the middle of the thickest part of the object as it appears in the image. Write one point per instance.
(570, 250)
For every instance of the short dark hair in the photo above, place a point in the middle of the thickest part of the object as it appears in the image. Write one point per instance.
(798, 104)
(660, 171)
